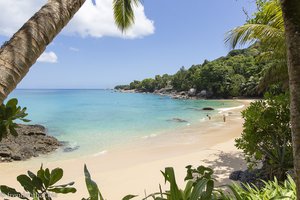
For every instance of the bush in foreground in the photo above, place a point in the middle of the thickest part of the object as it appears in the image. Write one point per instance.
(266, 137)
(199, 186)
(10, 112)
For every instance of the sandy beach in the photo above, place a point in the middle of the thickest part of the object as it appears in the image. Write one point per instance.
(135, 168)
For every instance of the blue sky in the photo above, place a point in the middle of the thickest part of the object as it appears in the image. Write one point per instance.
(90, 53)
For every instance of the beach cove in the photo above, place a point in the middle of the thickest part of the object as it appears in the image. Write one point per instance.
(134, 167)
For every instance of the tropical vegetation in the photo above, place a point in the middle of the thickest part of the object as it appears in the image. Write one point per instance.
(237, 74)
(266, 138)
(9, 113)
(276, 26)
(199, 185)
(267, 27)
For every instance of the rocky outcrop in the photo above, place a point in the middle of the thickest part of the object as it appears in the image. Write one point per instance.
(192, 93)
(31, 141)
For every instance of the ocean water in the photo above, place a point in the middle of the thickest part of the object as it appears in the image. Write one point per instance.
(93, 121)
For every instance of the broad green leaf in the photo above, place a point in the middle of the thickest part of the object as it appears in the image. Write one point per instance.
(11, 192)
(26, 182)
(46, 178)
(128, 197)
(170, 177)
(188, 189)
(198, 190)
(12, 102)
(65, 185)
(63, 190)
(92, 187)
(55, 176)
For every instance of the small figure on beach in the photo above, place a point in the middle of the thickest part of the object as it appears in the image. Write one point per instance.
(224, 118)
(209, 117)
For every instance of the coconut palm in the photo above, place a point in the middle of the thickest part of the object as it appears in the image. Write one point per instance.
(278, 30)
(267, 29)
(19, 53)
(291, 16)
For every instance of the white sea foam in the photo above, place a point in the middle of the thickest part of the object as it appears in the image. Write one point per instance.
(221, 110)
(149, 136)
(100, 153)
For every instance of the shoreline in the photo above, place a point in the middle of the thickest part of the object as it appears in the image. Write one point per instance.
(134, 167)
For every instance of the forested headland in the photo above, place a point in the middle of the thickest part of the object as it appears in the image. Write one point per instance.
(241, 73)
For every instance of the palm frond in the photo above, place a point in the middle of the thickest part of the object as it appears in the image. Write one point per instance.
(275, 73)
(123, 13)
(267, 27)
(250, 33)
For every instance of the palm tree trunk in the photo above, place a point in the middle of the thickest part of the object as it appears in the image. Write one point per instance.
(19, 53)
(291, 15)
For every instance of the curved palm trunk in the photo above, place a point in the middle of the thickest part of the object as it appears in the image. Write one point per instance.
(291, 15)
(23, 49)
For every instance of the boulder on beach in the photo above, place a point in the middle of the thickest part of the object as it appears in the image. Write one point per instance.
(192, 92)
(31, 141)
(208, 108)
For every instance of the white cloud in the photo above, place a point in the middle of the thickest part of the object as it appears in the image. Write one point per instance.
(48, 57)
(73, 49)
(14, 14)
(91, 20)
(97, 21)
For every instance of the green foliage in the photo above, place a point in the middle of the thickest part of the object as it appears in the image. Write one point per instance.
(92, 187)
(271, 191)
(40, 185)
(267, 135)
(237, 74)
(123, 13)
(199, 185)
(181, 80)
(10, 112)
(148, 85)
(234, 75)
(266, 28)
(122, 87)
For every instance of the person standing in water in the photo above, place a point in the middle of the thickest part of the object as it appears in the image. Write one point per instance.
(224, 118)
(209, 117)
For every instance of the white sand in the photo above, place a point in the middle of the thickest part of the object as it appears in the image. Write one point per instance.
(135, 168)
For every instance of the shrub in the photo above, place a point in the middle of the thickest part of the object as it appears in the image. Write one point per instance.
(271, 190)
(39, 185)
(10, 112)
(199, 186)
(266, 136)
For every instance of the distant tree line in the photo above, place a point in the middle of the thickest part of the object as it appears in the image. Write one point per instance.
(237, 74)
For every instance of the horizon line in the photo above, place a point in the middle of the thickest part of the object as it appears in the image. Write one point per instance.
(64, 88)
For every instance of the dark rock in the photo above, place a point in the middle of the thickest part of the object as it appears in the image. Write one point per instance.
(252, 177)
(16, 157)
(192, 92)
(70, 149)
(31, 141)
(177, 120)
(236, 175)
(207, 108)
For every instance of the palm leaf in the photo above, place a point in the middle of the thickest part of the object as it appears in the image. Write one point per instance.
(123, 13)
(249, 33)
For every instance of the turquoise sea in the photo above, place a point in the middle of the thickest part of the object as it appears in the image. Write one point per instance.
(93, 121)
